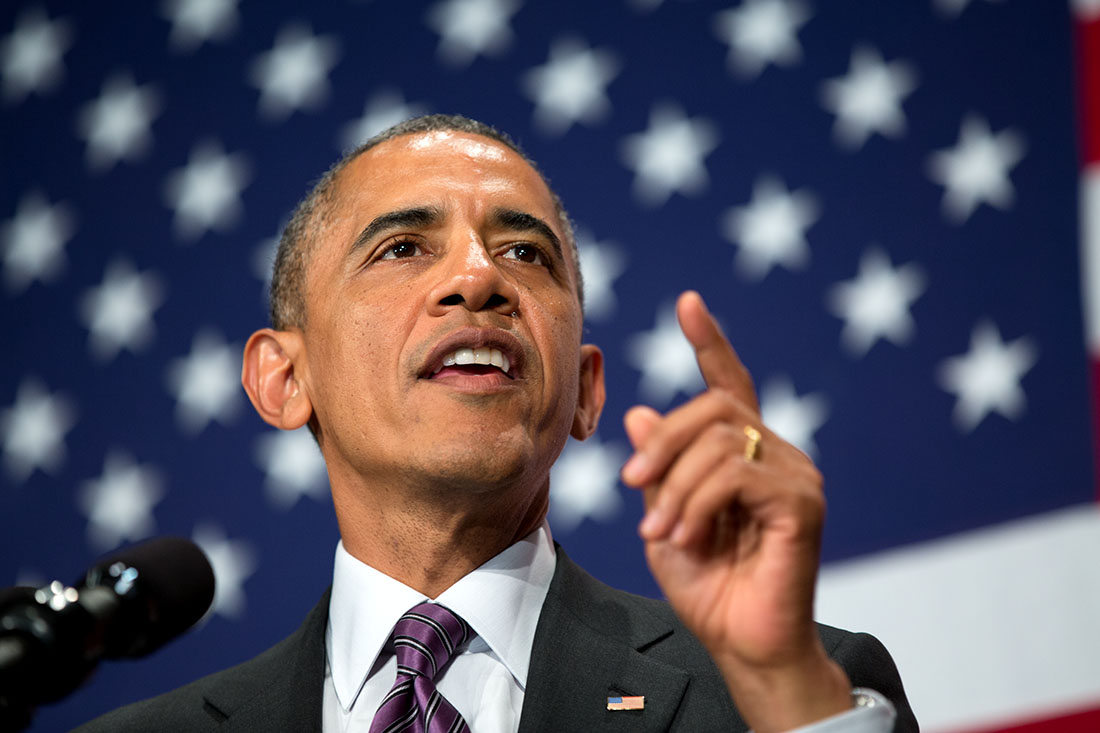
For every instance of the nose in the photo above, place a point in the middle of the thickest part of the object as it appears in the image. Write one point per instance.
(470, 278)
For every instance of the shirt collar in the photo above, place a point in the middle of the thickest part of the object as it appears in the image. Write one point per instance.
(501, 600)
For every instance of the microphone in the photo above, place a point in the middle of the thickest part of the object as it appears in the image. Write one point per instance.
(127, 605)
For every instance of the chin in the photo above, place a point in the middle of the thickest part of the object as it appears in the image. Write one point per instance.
(481, 466)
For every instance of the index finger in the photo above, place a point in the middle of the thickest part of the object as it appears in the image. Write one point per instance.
(719, 363)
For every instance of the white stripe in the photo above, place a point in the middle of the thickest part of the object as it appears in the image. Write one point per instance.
(1090, 255)
(433, 705)
(435, 626)
(1086, 10)
(993, 625)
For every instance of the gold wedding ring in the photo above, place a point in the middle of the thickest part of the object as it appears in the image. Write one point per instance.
(752, 445)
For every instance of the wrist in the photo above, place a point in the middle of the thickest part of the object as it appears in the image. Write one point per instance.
(778, 698)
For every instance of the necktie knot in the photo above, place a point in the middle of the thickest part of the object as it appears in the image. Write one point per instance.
(425, 638)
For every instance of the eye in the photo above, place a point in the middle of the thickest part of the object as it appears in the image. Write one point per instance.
(401, 249)
(525, 253)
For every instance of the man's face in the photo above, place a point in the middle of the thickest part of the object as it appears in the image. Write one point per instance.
(444, 251)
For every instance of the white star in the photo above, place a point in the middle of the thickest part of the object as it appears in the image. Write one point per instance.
(119, 504)
(294, 73)
(116, 125)
(793, 418)
(668, 156)
(584, 483)
(571, 86)
(197, 21)
(233, 561)
(31, 55)
(876, 303)
(119, 312)
(384, 109)
(293, 465)
(665, 358)
(976, 169)
(1086, 10)
(761, 32)
(771, 229)
(601, 265)
(468, 28)
(206, 193)
(33, 430)
(954, 7)
(206, 383)
(33, 242)
(987, 378)
(868, 99)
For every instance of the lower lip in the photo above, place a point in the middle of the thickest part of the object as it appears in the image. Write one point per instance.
(468, 382)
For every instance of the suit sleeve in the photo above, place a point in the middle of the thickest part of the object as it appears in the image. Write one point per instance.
(869, 664)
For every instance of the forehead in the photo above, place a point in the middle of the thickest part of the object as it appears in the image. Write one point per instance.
(449, 166)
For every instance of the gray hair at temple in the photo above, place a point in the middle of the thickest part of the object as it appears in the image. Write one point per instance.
(288, 278)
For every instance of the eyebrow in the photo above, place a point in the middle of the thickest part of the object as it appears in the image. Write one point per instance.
(417, 217)
(520, 221)
(423, 216)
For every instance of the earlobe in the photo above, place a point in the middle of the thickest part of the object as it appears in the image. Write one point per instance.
(591, 395)
(271, 378)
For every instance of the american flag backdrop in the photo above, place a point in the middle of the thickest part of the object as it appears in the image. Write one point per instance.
(894, 207)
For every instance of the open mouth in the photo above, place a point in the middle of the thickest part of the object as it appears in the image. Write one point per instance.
(476, 358)
(483, 360)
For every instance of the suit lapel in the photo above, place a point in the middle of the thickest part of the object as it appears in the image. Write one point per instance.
(588, 646)
(284, 686)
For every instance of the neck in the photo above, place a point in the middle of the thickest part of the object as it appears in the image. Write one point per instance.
(429, 540)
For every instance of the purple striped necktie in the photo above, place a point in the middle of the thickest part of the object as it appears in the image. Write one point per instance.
(424, 640)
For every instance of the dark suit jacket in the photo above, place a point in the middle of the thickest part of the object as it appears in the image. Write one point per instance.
(592, 641)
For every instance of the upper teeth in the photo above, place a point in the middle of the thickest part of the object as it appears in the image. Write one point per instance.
(484, 355)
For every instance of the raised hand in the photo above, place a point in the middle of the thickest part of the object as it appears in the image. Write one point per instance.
(732, 534)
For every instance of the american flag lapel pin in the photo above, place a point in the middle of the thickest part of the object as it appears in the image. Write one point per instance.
(632, 702)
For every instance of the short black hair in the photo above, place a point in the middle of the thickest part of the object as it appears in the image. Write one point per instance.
(288, 277)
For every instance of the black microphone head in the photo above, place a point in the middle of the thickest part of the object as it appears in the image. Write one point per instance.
(163, 586)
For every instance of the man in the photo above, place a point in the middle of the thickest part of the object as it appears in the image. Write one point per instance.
(427, 315)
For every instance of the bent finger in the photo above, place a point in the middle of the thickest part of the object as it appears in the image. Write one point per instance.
(723, 490)
(639, 422)
(673, 434)
(690, 470)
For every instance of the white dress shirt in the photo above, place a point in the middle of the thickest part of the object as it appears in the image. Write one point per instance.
(501, 601)
(486, 679)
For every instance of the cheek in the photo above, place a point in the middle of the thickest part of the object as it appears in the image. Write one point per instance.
(371, 333)
(565, 337)
(346, 343)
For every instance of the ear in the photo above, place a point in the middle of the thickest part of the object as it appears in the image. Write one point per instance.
(270, 378)
(591, 395)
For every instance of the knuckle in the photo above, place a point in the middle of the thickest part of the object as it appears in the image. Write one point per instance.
(808, 475)
(815, 479)
(720, 432)
(809, 505)
(726, 400)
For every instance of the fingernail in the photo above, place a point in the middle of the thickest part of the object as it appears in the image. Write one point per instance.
(635, 469)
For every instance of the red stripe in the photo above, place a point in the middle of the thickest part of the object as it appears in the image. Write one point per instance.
(1083, 721)
(1088, 88)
